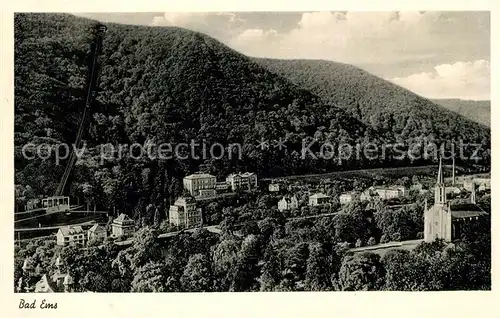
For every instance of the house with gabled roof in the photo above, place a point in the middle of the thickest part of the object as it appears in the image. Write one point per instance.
(71, 234)
(122, 226)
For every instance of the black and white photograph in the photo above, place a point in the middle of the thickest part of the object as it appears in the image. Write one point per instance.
(265, 151)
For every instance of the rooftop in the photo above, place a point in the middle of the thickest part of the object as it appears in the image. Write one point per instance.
(319, 196)
(199, 176)
(123, 218)
(97, 228)
(71, 230)
(466, 210)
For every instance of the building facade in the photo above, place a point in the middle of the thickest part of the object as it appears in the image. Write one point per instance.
(242, 181)
(274, 187)
(200, 184)
(318, 199)
(122, 226)
(185, 214)
(70, 235)
(97, 232)
(345, 198)
(288, 203)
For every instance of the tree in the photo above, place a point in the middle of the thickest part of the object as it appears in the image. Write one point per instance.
(225, 257)
(317, 274)
(198, 275)
(371, 241)
(270, 276)
(95, 282)
(359, 243)
(362, 271)
(149, 278)
(247, 271)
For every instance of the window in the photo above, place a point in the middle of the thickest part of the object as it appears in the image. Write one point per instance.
(50, 203)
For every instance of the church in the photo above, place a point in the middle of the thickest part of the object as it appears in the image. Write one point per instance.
(446, 219)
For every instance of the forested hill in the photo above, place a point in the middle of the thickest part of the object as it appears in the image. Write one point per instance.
(378, 103)
(157, 85)
(170, 85)
(476, 110)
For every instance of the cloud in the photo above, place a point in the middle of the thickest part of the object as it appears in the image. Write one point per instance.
(374, 37)
(464, 80)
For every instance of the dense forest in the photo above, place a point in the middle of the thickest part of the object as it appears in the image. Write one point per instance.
(170, 85)
(274, 254)
(476, 110)
(385, 107)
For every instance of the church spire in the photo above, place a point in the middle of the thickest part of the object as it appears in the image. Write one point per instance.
(439, 189)
(440, 173)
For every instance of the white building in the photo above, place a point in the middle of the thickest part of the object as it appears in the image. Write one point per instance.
(369, 195)
(122, 226)
(318, 199)
(70, 234)
(288, 203)
(200, 184)
(387, 193)
(184, 213)
(345, 198)
(97, 232)
(274, 187)
(244, 181)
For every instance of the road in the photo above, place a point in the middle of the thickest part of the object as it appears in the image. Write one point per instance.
(335, 173)
(211, 228)
(56, 227)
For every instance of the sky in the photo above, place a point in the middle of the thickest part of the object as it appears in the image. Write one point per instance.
(435, 54)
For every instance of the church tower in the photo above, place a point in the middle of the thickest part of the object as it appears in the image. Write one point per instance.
(437, 219)
(440, 189)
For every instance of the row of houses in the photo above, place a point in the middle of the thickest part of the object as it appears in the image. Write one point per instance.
(371, 194)
(75, 234)
(205, 185)
(291, 202)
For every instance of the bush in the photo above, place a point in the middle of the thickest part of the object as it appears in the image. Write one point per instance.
(359, 243)
(396, 237)
(384, 239)
(371, 241)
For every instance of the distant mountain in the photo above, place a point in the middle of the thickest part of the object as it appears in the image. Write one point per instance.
(476, 110)
(389, 109)
(159, 85)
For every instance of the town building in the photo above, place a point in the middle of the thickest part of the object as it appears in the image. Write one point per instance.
(318, 199)
(393, 192)
(59, 282)
(97, 232)
(122, 226)
(222, 187)
(288, 203)
(184, 213)
(242, 181)
(369, 195)
(445, 219)
(274, 187)
(200, 185)
(70, 235)
(345, 198)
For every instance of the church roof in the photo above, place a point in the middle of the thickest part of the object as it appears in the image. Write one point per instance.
(466, 210)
